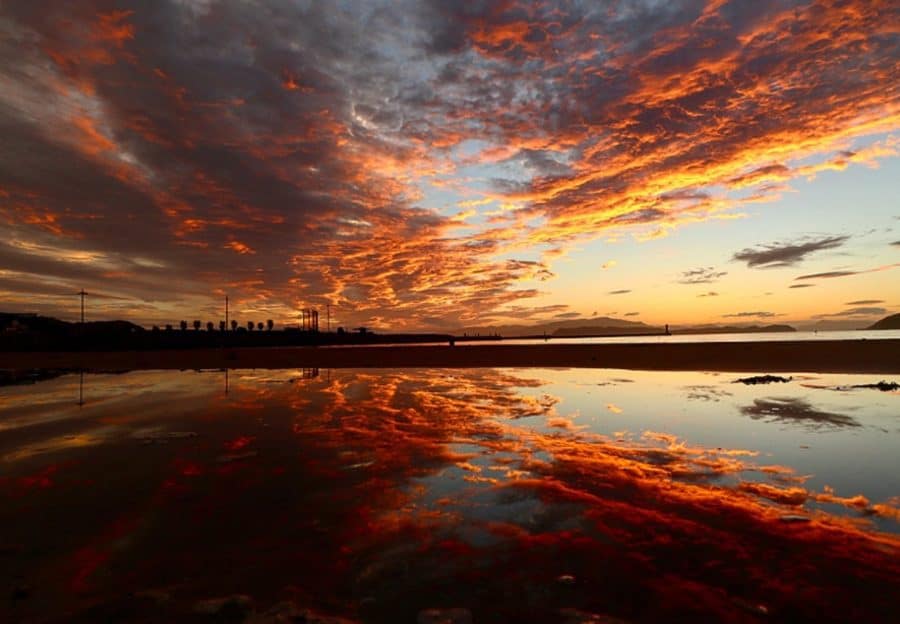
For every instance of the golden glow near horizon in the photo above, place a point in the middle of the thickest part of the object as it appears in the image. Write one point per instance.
(660, 162)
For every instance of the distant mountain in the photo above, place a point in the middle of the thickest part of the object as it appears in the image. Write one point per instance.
(11, 322)
(596, 326)
(888, 322)
(19, 322)
(601, 330)
(834, 325)
(607, 326)
(732, 329)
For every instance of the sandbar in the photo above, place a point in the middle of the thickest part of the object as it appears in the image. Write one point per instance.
(819, 356)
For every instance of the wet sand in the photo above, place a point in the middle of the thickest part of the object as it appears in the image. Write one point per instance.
(857, 356)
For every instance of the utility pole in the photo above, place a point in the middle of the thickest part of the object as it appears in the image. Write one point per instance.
(328, 316)
(226, 313)
(82, 293)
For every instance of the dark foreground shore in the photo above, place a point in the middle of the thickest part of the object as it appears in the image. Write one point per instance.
(856, 356)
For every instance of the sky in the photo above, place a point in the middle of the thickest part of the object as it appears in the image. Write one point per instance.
(425, 164)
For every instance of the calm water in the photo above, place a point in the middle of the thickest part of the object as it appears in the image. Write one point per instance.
(490, 495)
(743, 337)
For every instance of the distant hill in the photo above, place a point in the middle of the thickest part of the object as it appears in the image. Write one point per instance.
(19, 322)
(888, 322)
(596, 326)
(834, 324)
(607, 326)
(731, 329)
(600, 330)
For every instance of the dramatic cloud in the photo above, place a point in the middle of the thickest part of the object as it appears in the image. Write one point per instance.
(703, 275)
(398, 160)
(786, 254)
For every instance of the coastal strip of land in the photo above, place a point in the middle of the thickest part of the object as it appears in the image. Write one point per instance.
(825, 356)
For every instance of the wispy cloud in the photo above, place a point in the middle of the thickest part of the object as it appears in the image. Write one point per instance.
(703, 275)
(859, 311)
(833, 274)
(827, 275)
(751, 315)
(619, 292)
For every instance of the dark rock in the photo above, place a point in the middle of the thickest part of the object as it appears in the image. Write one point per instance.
(763, 379)
(884, 386)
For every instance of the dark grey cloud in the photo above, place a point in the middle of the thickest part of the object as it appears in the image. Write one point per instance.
(801, 286)
(703, 275)
(786, 253)
(619, 292)
(827, 275)
(864, 302)
(711, 293)
(542, 162)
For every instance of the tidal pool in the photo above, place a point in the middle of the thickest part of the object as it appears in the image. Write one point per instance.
(412, 495)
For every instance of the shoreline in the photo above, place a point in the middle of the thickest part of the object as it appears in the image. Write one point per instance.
(838, 356)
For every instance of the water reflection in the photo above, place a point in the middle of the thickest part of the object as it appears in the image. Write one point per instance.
(794, 410)
(537, 495)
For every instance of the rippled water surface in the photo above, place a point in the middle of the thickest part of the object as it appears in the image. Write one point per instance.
(488, 495)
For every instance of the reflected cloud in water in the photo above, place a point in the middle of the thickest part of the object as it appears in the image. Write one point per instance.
(795, 411)
(520, 495)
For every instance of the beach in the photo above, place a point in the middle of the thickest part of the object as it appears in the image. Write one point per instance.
(845, 356)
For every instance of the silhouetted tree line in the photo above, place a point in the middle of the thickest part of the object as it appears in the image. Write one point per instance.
(210, 326)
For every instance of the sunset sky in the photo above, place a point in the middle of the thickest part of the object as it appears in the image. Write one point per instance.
(426, 164)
